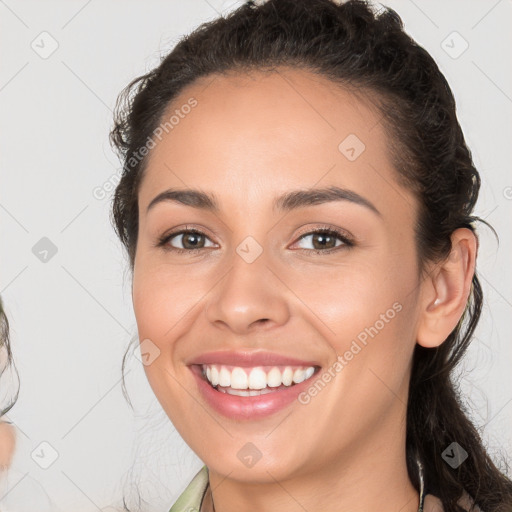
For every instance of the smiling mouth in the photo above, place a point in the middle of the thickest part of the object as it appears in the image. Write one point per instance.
(254, 381)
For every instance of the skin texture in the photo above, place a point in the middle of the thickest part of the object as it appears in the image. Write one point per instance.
(249, 139)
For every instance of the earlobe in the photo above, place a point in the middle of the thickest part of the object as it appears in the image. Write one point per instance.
(446, 290)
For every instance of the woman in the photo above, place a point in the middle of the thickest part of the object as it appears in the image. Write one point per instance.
(296, 203)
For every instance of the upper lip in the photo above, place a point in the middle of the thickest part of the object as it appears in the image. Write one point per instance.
(260, 358)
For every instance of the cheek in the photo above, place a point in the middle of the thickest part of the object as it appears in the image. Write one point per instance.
(163, 298)
(367, 313)
(346, 299)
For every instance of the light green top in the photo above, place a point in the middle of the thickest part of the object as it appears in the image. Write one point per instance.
(191, 498)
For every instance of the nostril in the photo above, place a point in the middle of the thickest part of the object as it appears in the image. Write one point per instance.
(262, 321)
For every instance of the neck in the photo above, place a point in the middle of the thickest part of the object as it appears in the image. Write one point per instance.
(373, 477)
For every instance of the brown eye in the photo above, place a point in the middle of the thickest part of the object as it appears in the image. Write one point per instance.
(186, 240)
(325, 240)
(191, 240)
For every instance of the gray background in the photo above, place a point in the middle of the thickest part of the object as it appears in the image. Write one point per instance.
(71, 315)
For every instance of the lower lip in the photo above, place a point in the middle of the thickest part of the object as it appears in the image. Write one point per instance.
(248, 407)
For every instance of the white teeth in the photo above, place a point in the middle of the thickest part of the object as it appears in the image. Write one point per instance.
(215, 375)
(245, 392)
(256, 379)
(238, 379)
(299, 375)
(287, 376)
(274, 378)
(224, 377)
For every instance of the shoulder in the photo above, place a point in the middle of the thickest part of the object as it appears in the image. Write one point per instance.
(434, 504)
(466, 502)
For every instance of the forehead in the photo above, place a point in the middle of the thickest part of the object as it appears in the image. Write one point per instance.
(263, 133)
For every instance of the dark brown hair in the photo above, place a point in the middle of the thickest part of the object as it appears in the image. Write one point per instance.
(366, 51)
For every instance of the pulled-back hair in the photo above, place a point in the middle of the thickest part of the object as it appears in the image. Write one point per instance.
(368, 53)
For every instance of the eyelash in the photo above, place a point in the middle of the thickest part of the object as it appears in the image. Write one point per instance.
(347, 241)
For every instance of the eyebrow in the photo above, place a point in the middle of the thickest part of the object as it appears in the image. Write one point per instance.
(290, 201)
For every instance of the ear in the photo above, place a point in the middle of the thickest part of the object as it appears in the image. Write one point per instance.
(446, 290)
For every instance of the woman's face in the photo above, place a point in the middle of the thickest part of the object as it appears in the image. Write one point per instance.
(256, 280)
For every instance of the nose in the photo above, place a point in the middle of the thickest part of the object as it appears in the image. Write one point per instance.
(250, 296)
